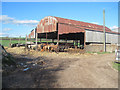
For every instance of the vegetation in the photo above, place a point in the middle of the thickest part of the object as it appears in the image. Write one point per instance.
(11, 37)
(8, 59)
(98, 52)
(7, 42)
(116, 65)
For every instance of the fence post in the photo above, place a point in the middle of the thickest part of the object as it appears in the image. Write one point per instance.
(36, 41)
(26, 42)
(19, 39)
(10, 43)
(30, 40)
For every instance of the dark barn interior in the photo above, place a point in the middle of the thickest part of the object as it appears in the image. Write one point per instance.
(78, 38)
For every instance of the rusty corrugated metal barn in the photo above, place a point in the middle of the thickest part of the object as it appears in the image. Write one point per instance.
(60, 28)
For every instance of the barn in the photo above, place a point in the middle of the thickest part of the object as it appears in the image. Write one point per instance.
(52, 27)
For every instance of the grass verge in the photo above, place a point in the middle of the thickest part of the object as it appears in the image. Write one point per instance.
(116, 66)
(98, 52)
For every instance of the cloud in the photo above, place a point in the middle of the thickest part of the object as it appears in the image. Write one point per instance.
(5, 19)
(7, 29)
(9, 20)
(114, 28)
(1, 34)
(95, 22)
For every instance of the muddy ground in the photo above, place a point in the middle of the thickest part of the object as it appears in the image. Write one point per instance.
(62, 70)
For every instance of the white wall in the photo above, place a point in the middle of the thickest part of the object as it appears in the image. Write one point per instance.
(94, 36)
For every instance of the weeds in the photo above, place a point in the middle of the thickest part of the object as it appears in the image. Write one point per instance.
(98, 52)
(116, 65)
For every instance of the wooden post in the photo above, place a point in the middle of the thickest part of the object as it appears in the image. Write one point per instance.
(19, 39)
(78, 43)
(52, 40)
(104, 36)
(74, 43)
(40, 40)
(30, 39)
(36, 40)
(26, 42)
(84, 39)
(46, 39)
(58, 39)
(66, 40)
(10, 43)
(58, 42)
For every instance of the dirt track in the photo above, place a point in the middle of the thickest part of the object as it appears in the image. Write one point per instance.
(62, 70)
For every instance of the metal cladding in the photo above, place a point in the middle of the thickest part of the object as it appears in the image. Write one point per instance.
(47, 24)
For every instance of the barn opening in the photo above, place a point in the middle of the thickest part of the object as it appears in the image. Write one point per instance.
(72, 39)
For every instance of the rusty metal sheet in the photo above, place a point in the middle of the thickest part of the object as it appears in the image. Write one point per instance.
(47, 24)
(65, 29)
(81, 24)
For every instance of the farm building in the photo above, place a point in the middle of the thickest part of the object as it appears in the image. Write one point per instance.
(52, 27)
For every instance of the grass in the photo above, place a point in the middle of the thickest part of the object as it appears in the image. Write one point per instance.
(98, 52)
(7, 42)
(116, 66)
(103, 52)
(11, 37)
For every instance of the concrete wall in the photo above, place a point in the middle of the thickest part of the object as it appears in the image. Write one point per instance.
(99, 48)
(95, 36)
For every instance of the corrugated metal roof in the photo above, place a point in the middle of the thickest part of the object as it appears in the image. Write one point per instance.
(65, 26)
(79, 24)
(65, 29)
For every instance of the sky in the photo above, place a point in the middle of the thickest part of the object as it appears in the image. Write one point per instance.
(19, 18)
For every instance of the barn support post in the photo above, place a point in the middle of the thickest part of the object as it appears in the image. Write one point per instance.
(36, 40)
(75, 44)
(52, 40)
(66, 40)
(58, 40)
(40, 37)
(84, 39)
(40, 40)
(46, 39)
(78, 43)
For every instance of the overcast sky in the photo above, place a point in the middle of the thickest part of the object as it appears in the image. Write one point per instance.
(19, 18)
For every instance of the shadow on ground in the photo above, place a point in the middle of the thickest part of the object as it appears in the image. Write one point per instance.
(38, 76)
